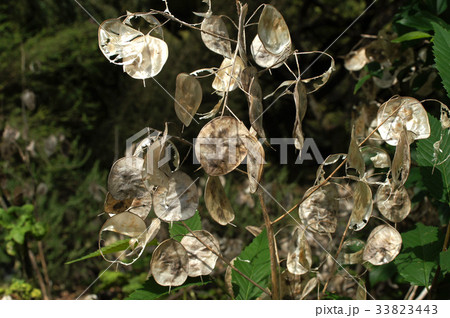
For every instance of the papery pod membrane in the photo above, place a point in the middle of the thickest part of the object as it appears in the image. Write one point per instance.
(177, 202)
(383, 245)
(312, 84)
(255, 110)
(402, 160)
(155, 25)
(309, 287)
(188, 97)
(266, 59)
(125, 180)
(445, 116)
(248, 76)
(362, 206)
(142, 206)
(127, 224)
(255, 161)
(301, 103)
(154, 172)
(228, 76)
(228, 277)
(331, 159)
(115, 40)
(299, 258)
(219, 147)
(170, 263)
(361, 291)
(213, 111)
(291, 285)
(145, 238)
(254, 230)
(113, 206)
(142, 146)
(214, 24)
(318, 211)
(355, 159)
(411, 115)
(216, 201)
(378, 157)
(273, 30)
(393, 203)
(356, 60)
(150, 60)
(201, 259)
(352, 251)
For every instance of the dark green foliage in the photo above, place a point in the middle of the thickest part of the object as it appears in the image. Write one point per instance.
(254, 261)
(177, 229)
(441, 50)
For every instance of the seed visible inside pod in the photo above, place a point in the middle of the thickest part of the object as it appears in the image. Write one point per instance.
(125, 180)
(170, 263)
(299, 258)
(393, 203)
(383, 245)
(362, 206)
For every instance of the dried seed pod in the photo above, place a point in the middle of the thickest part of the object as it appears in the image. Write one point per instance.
(214, 24)
(201, 259)
(309, 287)
(178, 201)
(115, 40)
(402, 160)
(299, 258)
(266, 59)
(254, 98)
(219, 147)
(228, 76)
(145, 238)
(383, 245)
(273, 30)
(255, 161)
(216, 201)
(155, 26)
(301, 103)
(142, 206)
(355, 159)
(312, 84)
(377, 157)
(188, 97)
(356, 60)
(445, 116)
(361, 291)
(113, 206)
(150, 60)
(331, 159)
(393, 203)
(170, 263)
(125, 180)
(155, 172)
(352, 251)
(362, 206)
(228, 278)
(318, 211)
(411, 115)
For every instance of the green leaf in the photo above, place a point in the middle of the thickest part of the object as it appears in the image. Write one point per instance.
(414, 35)
(425, 158)
(421, 20)
(419, 257)
(151, 290)
(441, 50)
(381, 273)
(177, 231)
(373, 69)
(444, 261)
(254, 261)
(113, 248)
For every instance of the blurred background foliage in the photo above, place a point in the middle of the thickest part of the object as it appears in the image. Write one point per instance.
(65, 114)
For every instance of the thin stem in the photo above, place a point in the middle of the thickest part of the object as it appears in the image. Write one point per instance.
(226, 261)
(38, 274)
(273, 251)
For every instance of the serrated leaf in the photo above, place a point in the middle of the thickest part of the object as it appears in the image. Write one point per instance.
(419, 257)
(177, 230)
(444, 261)
(437, 159)
(151, 290)
(254, 261)
(441, 50)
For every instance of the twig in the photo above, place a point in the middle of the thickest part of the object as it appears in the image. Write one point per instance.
(44, 266)
(226, 261)
(273, 251)
(38, 274)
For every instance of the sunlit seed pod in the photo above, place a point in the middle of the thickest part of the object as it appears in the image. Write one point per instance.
(114, 39)
(125, 223)
(142, 206)
(113, 206)
(355, 159)
(393, 203)
(228, 279)
(361, 291)
(266, 59)
(254, 230)
(156, 171)
(375, 156)
(214, 24)
(151, 59)
(216, 201)
(318, 211)
(188, 97)
(356, 60)
(155, 26)
(301, 103)
(170, 263)
(228, 76)
(178, 201)
(362, 206)
(411, 115)
(352, 251)
(331, 159)
(145, 238)
(445, 116)
(402, 160)
(299, 258)
(383, 245)
(255, 161)
(201, 259)
(125, 180)
(312, 84)
(273, 30)
(219, 147)
(309, 287)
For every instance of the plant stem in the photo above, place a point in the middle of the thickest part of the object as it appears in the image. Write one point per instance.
(38, 274)
(226, 261)
(273, 251)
